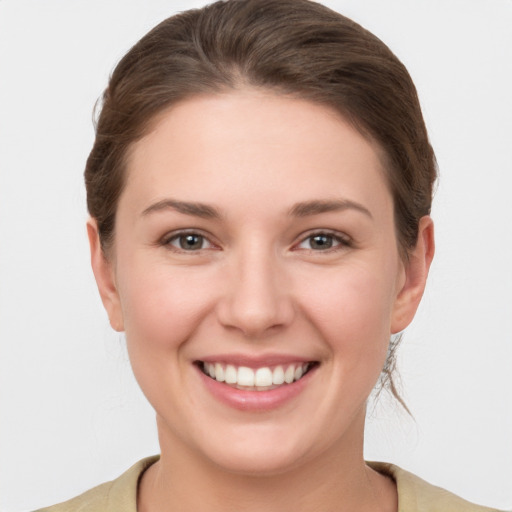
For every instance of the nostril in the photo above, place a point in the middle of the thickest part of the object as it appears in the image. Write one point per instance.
(255, 296)
(254, 318)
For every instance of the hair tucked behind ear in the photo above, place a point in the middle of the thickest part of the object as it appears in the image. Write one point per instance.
(292, 47)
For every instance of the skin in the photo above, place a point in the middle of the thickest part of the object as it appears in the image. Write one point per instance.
(257, 286)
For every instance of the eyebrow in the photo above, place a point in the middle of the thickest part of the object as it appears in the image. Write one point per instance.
(316, 207)
(188, 208)
(303, 209)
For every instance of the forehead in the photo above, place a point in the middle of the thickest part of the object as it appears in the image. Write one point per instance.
(254, 145)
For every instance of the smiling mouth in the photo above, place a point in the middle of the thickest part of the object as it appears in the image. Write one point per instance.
(264, 378)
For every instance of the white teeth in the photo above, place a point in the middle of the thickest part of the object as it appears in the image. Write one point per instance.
(219, 372)
(262, 378)
(245, 376)
(289, 374)
(278, 375)
(230, 375)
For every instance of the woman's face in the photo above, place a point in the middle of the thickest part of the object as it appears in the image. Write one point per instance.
(255, 241)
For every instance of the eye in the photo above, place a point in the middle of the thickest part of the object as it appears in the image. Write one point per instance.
(323, 242)
(189, 242)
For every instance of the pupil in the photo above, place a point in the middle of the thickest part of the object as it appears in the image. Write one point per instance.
(321, 242)
(188, 242)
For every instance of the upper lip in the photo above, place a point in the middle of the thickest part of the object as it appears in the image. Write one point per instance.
(259, 361)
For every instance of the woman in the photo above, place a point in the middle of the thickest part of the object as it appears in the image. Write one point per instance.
(259, 190)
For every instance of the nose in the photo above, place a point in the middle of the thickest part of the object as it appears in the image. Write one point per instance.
(257, 298)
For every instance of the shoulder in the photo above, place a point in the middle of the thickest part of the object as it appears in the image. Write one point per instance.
(417, 495)
(119, 494)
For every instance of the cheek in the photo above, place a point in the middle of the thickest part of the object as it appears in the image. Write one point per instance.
(163, 305)
(162, 308)
(351, 308)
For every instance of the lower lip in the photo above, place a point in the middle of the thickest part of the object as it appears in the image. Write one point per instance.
(256, 401)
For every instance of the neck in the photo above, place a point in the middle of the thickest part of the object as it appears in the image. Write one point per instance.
(335, 481)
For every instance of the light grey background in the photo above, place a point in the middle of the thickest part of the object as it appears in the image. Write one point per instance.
(71, 414)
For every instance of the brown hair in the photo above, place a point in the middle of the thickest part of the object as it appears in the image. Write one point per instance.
(293, 47)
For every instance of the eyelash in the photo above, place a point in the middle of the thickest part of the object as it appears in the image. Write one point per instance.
(176, 237)
(338, 241)
(342, 241)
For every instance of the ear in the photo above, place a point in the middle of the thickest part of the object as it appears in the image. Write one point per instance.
(416, 272)
(104, 274)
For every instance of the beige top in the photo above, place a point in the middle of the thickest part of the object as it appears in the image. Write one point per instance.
(414, 494)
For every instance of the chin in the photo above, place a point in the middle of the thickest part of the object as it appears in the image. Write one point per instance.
(259, 450)
(258, 462)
